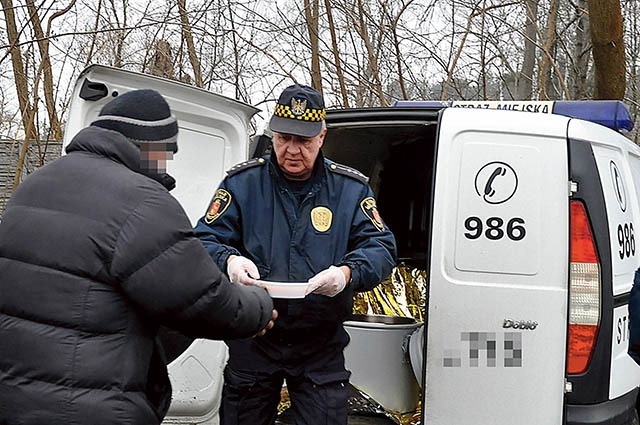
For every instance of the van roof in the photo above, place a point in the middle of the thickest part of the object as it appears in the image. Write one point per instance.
(610, 113)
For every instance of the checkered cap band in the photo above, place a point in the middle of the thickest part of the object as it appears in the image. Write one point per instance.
(315, 115)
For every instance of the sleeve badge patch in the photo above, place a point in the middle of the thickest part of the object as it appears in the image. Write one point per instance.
(321, 218)
(219, 204)
(370, 209)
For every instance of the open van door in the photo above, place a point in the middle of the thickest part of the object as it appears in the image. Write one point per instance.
(497, 301)
(213, 130)
(213, 136)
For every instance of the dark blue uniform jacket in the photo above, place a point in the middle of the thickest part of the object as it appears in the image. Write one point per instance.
(255, 214)
(634, 319)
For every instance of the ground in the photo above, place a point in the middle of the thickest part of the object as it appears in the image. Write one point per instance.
(362, 411)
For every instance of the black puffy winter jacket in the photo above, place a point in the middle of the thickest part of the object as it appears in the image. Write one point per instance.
(94, 256)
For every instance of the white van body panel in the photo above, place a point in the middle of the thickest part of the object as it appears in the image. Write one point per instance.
(625, 373)
(614, 154)
(213, 136)
(196, 378)
(618, 162)
(507, 171)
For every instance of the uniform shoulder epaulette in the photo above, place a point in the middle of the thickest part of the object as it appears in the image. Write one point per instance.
(245, 165)
(348, 171)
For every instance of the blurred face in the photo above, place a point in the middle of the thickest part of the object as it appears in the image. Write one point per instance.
(153, 157)
(296, 155)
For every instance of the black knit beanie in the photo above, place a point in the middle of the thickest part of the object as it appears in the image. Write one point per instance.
(142, 116)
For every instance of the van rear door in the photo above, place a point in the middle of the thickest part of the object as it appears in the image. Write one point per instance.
(213, 129)
(213, 136)
(497, 301)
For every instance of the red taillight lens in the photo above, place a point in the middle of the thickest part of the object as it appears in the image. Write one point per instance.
(584, 292)
(583, 249)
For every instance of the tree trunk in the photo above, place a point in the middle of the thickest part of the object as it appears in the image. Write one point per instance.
(605, 17)
(545, 86)
(120, 34)
(396, 44)
(336, 55)
(525, 82)
(361, 27)
(26, 109)
(581, 52)
(188, 37)
(45, 66)
(311, 15)
(94, 35)
(240, 93)
(162, 60)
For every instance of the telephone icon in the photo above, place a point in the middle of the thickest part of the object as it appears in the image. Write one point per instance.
(496, 182)
(489, 191)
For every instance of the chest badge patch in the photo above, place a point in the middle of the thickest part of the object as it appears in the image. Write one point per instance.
(370, 209)
(219, 204)
(321, 218)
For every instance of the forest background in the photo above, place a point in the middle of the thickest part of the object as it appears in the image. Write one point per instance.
(357, 52)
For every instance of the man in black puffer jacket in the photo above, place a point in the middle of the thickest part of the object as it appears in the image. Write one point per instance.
(95, 255)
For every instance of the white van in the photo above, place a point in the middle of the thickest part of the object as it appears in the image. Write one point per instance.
(524, 222)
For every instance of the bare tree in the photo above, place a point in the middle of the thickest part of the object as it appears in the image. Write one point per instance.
(236, 52)
(121, 29)
(336, 53)
(581, 51)
(28, 110)
(605, 17)
(93, 38)
(525, 82)
(359, 20)
(311, 12)
(631, 15)
(188, 37)
(394, 20)
(45, 65)
(360, 53)
(476, 10)
(545, 87)
(162, 60)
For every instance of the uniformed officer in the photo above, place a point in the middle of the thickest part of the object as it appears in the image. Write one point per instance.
(296, 216)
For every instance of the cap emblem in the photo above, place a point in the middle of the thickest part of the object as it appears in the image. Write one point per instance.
(298, 106)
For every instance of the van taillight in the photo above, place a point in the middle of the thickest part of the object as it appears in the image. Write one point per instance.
(584, 292)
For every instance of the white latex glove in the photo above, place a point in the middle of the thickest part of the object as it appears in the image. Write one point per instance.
(329, 282)
(242, 270)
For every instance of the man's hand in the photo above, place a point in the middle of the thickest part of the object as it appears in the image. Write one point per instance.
(242, 270)
(274, 316)
(329, 282)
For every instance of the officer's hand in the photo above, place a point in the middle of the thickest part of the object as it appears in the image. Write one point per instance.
(329, 282)
(274, 316)
(242, 270)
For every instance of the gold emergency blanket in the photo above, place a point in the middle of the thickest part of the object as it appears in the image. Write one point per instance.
(362, 411)
(402, 294)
